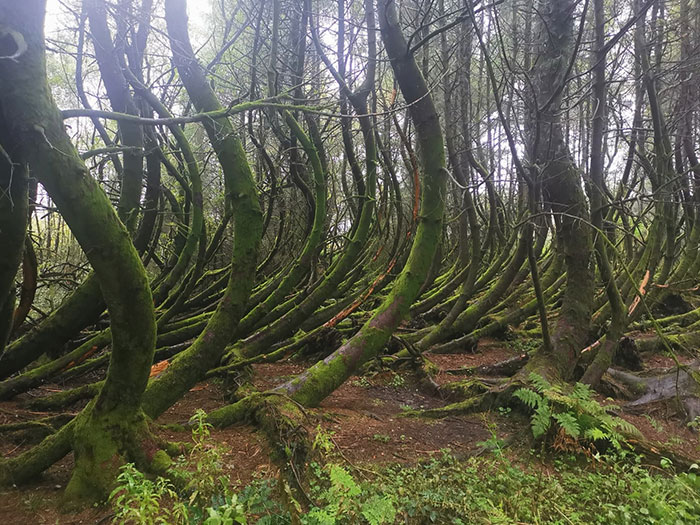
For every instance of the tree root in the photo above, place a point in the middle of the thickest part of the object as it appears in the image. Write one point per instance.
(658, 453)
(681, 384)
(285, 425)
(683, 342)
(32, 463)
(482, 394)
(61, 400)
(33, 431)
(507, 368)
(477, 395)
(103, 441)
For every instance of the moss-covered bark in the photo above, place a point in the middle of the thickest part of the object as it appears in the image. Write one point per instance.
(262, 312)
(80, 309)
(195, 234)
(311, 387)
(110, 59)
(85, 304)
(37, 125)
(605, 354)
(191, 366)
(284, 326)
(561, 185)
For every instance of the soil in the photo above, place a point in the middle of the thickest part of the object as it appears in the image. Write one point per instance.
(364, 419)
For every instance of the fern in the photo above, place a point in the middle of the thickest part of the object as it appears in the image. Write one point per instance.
(569, 423)
(379, 510)
(531, 398)
(541, 419)
(342, 482)
(539, 383)
(595, 434)
(574, 412)
(581, 392)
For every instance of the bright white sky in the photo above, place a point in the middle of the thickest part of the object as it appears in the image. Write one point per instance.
(197, 10)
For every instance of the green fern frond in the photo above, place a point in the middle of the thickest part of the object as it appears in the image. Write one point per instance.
(531, 398)
(627, 427)
(541, 419)
(595, 434)
(569, 423)
(539, 383)
(581, 392)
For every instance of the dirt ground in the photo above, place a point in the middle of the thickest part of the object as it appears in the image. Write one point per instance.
(364, 418)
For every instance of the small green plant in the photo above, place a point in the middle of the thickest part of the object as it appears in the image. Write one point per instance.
(202, 466)
(137, 499)
(524, 346)
(397, 381)
(504, 411)
(572, 419)
(342, 502)
(493, 443)
(654, 423)
(362, 382)
(382, 438)
(203, 497)
(323, 441)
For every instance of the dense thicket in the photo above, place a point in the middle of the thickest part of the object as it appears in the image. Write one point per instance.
(337, 182)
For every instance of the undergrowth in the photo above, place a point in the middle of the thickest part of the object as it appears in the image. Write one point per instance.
(571, 420)
(493, 489)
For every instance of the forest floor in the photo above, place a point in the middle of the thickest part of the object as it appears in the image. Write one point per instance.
(363, 419)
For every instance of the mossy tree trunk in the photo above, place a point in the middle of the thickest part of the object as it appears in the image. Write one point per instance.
(206, 351)
(561, 184)
(618, 322)
(84, 306)
(288, 323)
(112, 429)
(314, 385)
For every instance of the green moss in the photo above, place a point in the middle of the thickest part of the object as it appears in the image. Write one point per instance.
(469, 406)
(467, 388)
(161, 462)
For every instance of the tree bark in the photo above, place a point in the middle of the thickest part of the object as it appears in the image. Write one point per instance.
(112, 429)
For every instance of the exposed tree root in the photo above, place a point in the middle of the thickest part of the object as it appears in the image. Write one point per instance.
(30, 464)
(505, 368)
(482, 394)
(35, 430)
(477, 396)
(657, 453)
(63, 399)
(103, 442)
(285, 426)
(681, 384)
(684, 341)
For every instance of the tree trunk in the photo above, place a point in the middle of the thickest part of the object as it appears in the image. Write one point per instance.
(561, 184)
(112, 429)
(314, 385)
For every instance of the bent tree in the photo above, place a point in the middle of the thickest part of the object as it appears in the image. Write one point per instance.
(112, 429)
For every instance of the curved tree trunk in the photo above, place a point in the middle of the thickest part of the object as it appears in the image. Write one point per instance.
(206, 351)
(314, 385)
(13, 226)
(112, 429)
